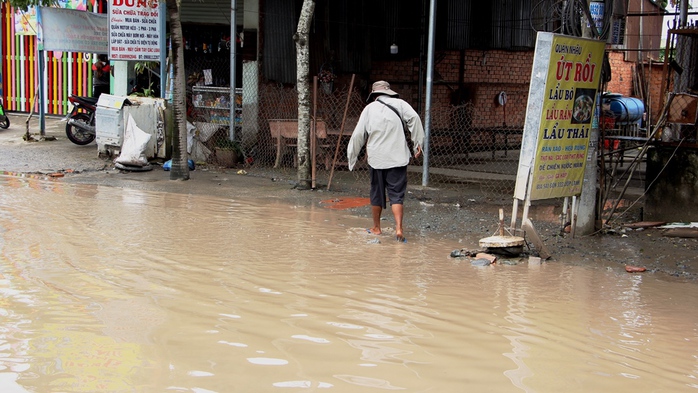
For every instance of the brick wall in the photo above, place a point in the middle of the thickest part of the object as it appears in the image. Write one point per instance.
(622, 81)
(487, 73)
(621, 75)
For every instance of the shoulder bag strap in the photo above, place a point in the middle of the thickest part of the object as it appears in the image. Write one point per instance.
(404, 128)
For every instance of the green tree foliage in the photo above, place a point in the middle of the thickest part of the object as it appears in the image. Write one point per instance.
(24, 4)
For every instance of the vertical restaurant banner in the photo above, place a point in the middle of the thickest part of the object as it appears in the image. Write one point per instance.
(135, 29)
(569, 99)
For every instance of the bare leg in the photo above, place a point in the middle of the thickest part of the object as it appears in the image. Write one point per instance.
(376, 211)
(397, 213)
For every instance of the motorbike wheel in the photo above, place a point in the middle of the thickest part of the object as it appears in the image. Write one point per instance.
(4, 122)
(75, 134)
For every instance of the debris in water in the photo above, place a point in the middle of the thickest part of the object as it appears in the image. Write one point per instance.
(489, 257)
(634, 269)
(480, 262)
(644, 224)
(463, 253)
(502, 244)
(682, 232)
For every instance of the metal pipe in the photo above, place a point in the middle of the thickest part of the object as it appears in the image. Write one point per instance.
(663, 13)
(420, 76)
(233, 63)
(427, 108)
(164, 75)
(642, 36)
(42, 96)
(683, 18)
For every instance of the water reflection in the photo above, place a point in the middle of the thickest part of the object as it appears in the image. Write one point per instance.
(118, 290)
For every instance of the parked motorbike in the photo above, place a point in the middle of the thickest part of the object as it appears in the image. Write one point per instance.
(4, 120)
(80, 126)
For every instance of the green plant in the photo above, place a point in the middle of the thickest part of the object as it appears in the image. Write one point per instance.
(141, 68)
(149, 92)
(228, 153)
(227, 144)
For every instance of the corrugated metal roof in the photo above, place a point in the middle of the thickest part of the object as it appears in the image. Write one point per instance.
(279, 51)
(210, 12)
(458, 30)
(511, 26)
(347, 27)
(350, 33)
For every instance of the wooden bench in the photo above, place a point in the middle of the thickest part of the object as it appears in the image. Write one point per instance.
(285, 132)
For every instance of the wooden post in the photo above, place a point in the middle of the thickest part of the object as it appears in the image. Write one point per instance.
(341, 130)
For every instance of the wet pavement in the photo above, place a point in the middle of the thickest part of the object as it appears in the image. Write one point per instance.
(461, 214)
(44, 156)
(116, 281)
(112, 289)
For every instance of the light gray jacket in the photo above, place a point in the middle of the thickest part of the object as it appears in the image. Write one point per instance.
(380, 129)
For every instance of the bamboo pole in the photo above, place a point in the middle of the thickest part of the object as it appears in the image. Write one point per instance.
(341, 131)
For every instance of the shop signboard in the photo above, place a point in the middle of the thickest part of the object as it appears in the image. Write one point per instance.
(561, 107)
(63, 29)
(596, 8)
(135, 30)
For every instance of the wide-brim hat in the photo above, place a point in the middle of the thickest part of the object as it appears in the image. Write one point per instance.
(381, 87)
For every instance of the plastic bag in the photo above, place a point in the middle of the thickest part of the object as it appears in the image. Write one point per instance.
(168, 165)
(135, 143)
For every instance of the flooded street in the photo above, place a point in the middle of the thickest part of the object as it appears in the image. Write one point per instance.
(107, 289)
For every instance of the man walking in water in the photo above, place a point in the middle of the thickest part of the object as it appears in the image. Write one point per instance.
(383, 127)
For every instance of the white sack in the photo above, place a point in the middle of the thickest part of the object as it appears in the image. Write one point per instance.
(135, 143)
(191, 133)
(199, 152)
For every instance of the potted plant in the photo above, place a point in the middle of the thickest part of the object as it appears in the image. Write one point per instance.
(227, 152)
(326, 78)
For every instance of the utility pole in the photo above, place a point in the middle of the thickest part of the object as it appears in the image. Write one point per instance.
(427, 108)
(683, 13)
(586, 214)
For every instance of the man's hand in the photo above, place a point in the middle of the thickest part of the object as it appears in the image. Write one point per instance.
(419, 152)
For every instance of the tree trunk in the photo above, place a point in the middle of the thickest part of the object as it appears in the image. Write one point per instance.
(180, 164)
(303, 86)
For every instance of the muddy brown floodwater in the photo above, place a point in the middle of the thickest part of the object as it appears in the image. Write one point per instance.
(107, 289)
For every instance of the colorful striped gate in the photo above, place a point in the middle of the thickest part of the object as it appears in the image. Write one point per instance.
(65, 73)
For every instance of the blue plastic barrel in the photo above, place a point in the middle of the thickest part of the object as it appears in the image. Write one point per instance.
(626, 109)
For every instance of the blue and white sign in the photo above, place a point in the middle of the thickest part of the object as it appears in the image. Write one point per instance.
(597, 11)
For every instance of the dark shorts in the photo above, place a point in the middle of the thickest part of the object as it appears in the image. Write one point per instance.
(393, 181)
